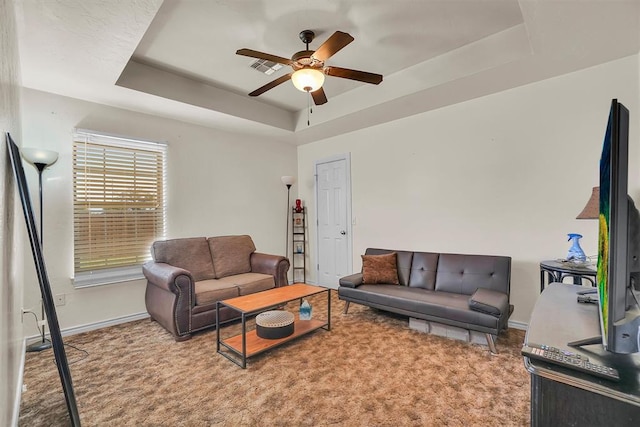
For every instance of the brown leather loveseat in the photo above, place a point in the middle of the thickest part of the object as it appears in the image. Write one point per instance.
(464, 291)
(188, 276)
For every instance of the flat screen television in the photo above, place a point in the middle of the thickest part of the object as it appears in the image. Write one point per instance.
(618, 241)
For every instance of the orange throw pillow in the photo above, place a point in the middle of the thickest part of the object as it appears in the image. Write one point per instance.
(380, 269)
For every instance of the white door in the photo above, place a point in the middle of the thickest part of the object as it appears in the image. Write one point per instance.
(333, 192)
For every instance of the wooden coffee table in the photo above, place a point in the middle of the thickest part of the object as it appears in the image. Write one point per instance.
(248, 343)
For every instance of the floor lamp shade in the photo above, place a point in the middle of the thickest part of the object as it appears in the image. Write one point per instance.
(41, 159)
(288, 180)
(36, 156)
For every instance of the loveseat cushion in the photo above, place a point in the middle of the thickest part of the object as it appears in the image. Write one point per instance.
(191, 254)
(210, 291)
(249, 283)
(231, 254)
(380, 269)
(488, 301)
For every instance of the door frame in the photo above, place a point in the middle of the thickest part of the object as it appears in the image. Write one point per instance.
(347, 158)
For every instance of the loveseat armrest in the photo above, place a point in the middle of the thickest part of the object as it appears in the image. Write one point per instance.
(491, 302)
(351, 281)
(166, 276)
(275, 265)
(170, 297)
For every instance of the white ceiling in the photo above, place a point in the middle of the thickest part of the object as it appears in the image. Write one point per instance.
(177, 58)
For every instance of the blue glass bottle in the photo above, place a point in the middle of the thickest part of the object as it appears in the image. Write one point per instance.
(576, 254)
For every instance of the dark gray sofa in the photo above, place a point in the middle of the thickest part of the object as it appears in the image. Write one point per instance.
(464, 291)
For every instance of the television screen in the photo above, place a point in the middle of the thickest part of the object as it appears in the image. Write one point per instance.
(617, 240)
(602, 277)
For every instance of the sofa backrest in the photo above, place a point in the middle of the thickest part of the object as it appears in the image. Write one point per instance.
(423, 270)
(190, 253)
(463, 274)
(231, 254)
(456, 273)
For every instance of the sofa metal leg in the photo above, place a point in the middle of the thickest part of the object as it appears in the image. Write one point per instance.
(346, 307)
(491, 343)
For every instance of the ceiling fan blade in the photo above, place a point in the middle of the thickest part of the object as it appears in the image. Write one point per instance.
(261, 55)
(271, 85)
(333, 44)
(319, 97)
(361, 76)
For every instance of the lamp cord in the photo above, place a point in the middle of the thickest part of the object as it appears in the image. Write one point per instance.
(34, 315)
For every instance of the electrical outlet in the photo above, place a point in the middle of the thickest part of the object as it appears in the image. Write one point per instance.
(60, 299)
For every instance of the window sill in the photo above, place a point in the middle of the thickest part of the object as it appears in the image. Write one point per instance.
(107, 277)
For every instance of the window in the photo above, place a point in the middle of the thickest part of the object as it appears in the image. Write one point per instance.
(118, 206)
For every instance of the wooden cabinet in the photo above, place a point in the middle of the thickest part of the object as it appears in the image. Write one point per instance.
(561, 396)
(299, 245)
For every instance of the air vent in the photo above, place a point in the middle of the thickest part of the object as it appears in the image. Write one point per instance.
(266, 67)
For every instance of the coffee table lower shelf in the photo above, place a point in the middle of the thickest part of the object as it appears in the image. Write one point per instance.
(240, 347)
(256, 345)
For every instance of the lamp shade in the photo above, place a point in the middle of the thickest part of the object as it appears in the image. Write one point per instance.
(38, 156)
(592, 209)
(288, 180)
(308, 79)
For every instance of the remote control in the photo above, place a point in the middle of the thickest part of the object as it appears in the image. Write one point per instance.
(569, 360)
(584, 299)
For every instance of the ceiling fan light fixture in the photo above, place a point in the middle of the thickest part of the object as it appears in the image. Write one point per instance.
(308, 79)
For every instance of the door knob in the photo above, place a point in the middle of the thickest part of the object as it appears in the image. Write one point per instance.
(343, 232)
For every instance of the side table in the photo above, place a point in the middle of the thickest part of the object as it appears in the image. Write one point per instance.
(557, 271)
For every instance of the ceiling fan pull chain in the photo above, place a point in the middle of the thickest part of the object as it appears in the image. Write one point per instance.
(308, 108)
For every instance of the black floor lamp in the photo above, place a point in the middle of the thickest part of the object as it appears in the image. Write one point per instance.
(41, 159)
(288, 181)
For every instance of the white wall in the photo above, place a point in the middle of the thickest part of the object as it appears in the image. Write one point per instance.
(505, 174)
(218, 184)
(11, 280)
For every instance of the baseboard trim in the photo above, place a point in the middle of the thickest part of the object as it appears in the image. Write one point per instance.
(518, 325)
(98, 325)
(104, 324)
(18, 397)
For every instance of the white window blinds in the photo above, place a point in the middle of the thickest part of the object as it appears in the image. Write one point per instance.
(118, 202)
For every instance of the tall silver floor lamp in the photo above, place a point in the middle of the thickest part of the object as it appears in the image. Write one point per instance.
(41, 159)
(288, 181)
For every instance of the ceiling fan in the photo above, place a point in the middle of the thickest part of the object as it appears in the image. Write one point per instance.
(309, 66)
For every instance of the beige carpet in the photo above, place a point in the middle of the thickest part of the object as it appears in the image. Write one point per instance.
(369, 370)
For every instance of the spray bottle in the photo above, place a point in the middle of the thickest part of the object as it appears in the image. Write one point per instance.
(576, 254)
(305, 310)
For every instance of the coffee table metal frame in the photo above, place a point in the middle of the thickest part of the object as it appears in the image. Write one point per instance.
(247, 344)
